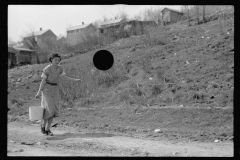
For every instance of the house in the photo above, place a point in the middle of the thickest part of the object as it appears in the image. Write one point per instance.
(107, 28)
(12, 60)
(18, 55)
(61, 40)
(134, 27)
(170, 16)
(78, 34)
(42, 36)
(121, 28)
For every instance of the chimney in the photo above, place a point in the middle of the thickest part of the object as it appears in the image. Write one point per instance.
(82, 23)
(40, 29)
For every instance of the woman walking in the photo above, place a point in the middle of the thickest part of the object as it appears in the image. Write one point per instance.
(50, 91)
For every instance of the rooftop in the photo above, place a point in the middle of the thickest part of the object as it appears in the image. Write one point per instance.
(78, 27)
(37, 33)
(23, 49)
(110, 23)
(171, 10)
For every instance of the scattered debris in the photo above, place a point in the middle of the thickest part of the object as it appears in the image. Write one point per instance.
(39, 143)
(12, 141)
(157, 130)
(27, 143)
(19, 150)
(55, 125)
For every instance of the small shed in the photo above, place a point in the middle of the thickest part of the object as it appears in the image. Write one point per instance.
(18, 55)
(12, 59)
(170, 16)
(109, 27)
(134, 27)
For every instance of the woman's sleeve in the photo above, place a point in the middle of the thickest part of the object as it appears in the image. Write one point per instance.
(62, 72)
(44, 73)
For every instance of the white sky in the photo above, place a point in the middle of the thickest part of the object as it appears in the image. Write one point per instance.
(56, 17)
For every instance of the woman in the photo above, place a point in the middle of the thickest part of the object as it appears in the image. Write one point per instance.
(50, 91)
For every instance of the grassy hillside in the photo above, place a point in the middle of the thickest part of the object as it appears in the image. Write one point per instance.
(170, 66)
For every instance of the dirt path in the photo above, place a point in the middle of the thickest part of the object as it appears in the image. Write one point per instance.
(25, 140)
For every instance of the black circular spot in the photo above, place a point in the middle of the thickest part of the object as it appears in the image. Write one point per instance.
(103, 60)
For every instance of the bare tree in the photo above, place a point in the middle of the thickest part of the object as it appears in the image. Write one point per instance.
(203, 14)
(138, 17)
(152, 14)
(29, 39)
(123, 14)
(186, 8)
(11, 42)
(197, 13)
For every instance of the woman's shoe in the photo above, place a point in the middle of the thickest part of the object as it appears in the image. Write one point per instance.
(43, 130)
(48, 132)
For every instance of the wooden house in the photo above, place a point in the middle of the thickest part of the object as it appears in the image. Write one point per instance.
(20, 56)
(109, 28)
(42, 36)
(61, 40)
(78, 34)
(170, 16)
(135, 27)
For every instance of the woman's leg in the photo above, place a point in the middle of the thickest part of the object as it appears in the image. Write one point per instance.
(49, 123)
(44, 122)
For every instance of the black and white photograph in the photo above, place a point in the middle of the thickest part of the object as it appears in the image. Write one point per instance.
(120, 80)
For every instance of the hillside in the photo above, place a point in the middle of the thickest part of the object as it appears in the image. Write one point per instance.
(178, 78)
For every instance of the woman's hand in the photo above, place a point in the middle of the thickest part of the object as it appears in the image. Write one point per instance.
(37, 95)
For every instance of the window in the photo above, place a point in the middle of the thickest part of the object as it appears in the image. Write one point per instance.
(75, 32)
(36, 38)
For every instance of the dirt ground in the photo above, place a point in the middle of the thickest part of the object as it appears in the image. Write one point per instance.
(27, 140)
(179, 80)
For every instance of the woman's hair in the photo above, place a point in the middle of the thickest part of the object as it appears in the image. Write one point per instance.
(53, 55)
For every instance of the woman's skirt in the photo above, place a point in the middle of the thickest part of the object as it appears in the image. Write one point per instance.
(50, 101)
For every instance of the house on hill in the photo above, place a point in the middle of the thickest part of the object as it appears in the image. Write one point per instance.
(61, 40)
(78, 34)
(121, 28)
(170, 16)
(107, 28)
(135, 27)
(18, 55)
(42, 36)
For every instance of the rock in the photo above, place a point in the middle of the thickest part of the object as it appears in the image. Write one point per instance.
(39, 143)
(12, 141)
(19, 150)
(181, 105)
(133, 49)
(27, 143)
(157, 130)
(216, 141)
